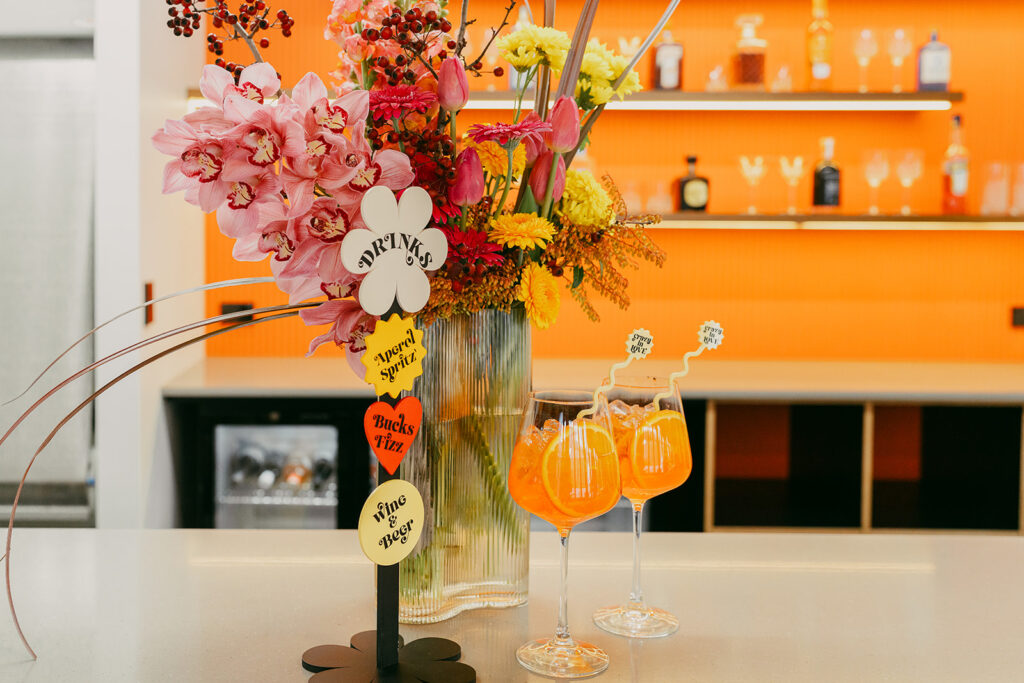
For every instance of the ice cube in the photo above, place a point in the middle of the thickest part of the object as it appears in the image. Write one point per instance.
(551, 427)
(618, 407)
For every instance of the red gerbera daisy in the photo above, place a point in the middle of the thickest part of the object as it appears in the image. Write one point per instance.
(506, 133)
(470, 247)
(396, 100)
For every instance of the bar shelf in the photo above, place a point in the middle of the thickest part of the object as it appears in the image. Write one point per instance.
(711, 221)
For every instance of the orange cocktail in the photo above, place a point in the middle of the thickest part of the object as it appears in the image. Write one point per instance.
(653, 447)
(564, 470)
(565, 474)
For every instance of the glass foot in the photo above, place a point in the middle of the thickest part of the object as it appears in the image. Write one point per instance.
(562, 658)
(636, 623)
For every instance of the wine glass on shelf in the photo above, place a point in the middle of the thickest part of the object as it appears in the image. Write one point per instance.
(995, 198)
(792, 171)
(565, 470)
(753, 171)
(876, 170)
(899, 49)
(865, 47)
(654, 457)
(908, 170)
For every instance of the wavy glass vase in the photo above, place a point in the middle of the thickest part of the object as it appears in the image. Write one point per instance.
(474, 551)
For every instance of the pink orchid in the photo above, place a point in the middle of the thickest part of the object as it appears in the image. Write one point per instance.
(321, 163)
(388, 167)
(317, 258)
(349, 327)
(257, 82)
(310, 93)
(266, 133)
(198, 167)
(252, 201)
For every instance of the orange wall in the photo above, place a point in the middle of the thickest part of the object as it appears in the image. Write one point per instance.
(779, 294)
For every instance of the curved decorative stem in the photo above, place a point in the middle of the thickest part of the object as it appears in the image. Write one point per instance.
(192, 290)
(67, 418)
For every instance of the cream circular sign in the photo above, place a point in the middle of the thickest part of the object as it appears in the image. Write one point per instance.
(391, 522)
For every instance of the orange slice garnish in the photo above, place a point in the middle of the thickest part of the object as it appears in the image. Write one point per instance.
(570, 464)
(660, 452)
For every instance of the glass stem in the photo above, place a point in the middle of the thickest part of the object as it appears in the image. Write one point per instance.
(562, 631)
(636, 596)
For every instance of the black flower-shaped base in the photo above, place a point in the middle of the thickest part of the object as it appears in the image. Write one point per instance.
(426, 660)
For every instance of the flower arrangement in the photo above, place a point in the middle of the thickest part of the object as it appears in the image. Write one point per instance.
(286, 177)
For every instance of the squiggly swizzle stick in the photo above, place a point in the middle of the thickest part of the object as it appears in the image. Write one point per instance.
(710, 336)
(638, 345)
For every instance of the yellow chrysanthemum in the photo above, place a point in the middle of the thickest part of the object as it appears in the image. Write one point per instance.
(584, 201)
(599, 70)
(534, 45)
(538, 289)
(523, 230)
(494, 158)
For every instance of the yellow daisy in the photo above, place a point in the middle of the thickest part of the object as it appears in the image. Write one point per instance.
(523, 230)
(494, 158)
(538, 290)
(584, 201)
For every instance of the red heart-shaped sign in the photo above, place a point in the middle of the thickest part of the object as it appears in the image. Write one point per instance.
(390, 431)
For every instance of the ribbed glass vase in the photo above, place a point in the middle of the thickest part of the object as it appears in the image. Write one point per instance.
(474, 551)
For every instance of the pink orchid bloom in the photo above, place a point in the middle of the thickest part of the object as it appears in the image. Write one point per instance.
(266, 133)
(388, 167)
(539, 177)
(317, 258)
(198, 167)
(469, 179)
(310, 93)
(452, 85)
(252, 202)
(321, 164)
(349, 327)
(257, 82)
(565, 126)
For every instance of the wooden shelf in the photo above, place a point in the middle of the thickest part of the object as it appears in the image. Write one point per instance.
(711, 221)
(674, 100)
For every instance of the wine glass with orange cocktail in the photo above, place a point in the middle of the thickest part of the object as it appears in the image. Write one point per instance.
(654, 457)
(565, 470)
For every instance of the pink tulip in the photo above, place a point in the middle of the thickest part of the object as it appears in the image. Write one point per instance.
(452, 85)
(539, 177)
(565, 126)
(533, 145)
(469, 179)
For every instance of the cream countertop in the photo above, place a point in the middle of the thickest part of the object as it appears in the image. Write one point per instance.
(714, 379)
(188, 605)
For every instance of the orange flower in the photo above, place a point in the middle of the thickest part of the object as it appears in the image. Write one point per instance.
(538, 290)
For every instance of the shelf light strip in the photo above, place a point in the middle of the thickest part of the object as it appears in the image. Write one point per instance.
(722, 105)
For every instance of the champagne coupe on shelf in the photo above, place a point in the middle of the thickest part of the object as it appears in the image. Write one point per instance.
(865, 47)
(876, 170)
(899, 49)
(654, 457)
(752, 170)
(908, 170)
(792, 172)
(565, 470)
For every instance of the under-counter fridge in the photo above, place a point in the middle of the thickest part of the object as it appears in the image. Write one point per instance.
(270, 463)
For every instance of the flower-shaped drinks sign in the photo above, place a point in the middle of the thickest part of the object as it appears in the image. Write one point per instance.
(395, 251)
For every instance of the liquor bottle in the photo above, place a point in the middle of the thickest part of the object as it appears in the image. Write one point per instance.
(748, 61)
(247, 462)
(668, 63)
(933, 65)
(323, 468)
(955, 171)
(298, 469)
(270, 472)
(819, 47)
(693, 189)
(826, 176)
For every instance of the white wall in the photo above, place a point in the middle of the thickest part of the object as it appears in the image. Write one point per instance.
(143, 75)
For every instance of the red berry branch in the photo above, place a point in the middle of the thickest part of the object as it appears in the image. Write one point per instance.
(250, 19)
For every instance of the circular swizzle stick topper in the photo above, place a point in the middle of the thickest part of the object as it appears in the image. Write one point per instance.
(395, 250)
(391, 522)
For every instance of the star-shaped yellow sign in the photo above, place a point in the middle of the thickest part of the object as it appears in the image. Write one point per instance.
(394, 356)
